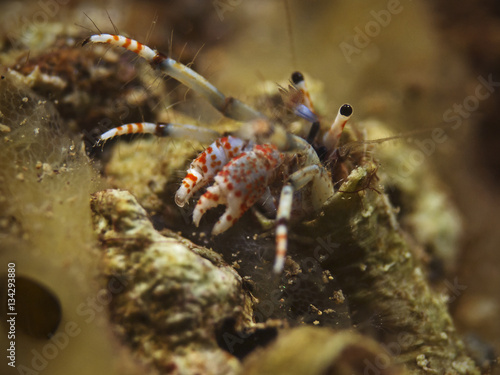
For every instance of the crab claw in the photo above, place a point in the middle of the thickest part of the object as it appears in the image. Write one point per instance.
(239, 185)
(212, 198)
(193, 181)
(207, 165)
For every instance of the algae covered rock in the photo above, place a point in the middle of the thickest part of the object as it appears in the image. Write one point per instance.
(173, 299)
(387, 290)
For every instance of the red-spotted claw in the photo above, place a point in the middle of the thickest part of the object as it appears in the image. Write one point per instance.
(203, 169)
(239, 184)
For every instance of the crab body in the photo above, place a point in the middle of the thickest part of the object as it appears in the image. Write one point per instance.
(240, 184)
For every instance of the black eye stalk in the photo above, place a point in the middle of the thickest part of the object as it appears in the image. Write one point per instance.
(332, 136)
(297, 78)
(313, 132)
(346, 110)
(304, 108)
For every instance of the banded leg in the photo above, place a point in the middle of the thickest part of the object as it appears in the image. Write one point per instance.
(228, 106)
(322, 189)
(203, 169)
(282, 220)
(182, 131)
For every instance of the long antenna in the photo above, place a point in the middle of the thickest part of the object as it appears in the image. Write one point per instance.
(289, 27)
(151, 28)
(112, 23)
(91, 20)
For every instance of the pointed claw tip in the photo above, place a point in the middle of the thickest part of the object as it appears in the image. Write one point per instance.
(179, 200)
(215, 230)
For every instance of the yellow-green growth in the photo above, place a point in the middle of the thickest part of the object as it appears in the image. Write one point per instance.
(45, 229)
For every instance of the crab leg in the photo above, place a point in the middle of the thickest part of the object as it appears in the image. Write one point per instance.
(205, 166)
(200, 134)
(322, 189)
(228, 106)
(282, 219)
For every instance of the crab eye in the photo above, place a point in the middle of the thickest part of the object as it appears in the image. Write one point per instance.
(346, 110)
(297, 77)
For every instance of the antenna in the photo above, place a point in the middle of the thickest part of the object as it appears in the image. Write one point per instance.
(289, 27)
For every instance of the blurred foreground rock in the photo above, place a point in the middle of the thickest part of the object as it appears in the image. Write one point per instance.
(173, 299)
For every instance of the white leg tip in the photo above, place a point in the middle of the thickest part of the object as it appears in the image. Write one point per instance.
(279, 264)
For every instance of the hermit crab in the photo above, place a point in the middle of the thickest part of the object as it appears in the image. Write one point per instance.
(243, 169)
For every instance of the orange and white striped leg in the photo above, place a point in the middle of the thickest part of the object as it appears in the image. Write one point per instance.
(321, 191)
(228, 106)
(183, 131)
(282, 219)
